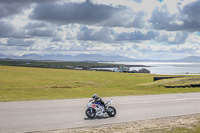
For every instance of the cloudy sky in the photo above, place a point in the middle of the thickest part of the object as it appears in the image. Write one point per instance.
(152, 29)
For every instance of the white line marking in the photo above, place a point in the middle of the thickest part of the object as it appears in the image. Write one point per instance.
(183, 99)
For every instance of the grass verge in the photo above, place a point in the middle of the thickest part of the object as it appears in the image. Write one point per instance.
(25, 83)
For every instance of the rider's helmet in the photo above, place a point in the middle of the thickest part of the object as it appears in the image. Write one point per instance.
(94, 96)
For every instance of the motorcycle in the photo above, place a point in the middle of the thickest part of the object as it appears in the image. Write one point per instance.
(96, 109)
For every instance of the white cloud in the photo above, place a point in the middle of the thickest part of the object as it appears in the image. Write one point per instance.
(134, 28)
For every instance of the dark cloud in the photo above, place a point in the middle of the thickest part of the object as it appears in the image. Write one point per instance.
(104, 34)
(57, 39)
(82, 13)
(191, 12)
(6, 29)
(39, 29)
(187, 19)
(20, 34)
(14, 7)
(161, 19)
(89, 13)
(137, 36)
(41, 33)
(131, 19)
(24, 2)
(33, 25)
(138, 21)
(19, 42)
(179, 38)
(108, 35)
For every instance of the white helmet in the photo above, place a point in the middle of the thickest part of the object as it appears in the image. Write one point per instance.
(94, 96)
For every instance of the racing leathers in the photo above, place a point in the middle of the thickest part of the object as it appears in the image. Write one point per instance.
(98, 99)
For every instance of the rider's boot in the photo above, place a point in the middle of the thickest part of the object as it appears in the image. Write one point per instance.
(105, 109)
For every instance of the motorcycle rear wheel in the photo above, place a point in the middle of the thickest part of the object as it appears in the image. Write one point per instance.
(111, 111)
(90, 113)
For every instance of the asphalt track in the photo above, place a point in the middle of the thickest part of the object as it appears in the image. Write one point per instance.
(28, 116)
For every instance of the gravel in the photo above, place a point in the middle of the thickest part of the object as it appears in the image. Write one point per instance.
(186, 121)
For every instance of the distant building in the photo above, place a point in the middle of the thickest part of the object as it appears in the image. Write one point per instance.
(116, 70)
(86, 67)
(124, 68)
(133, 71)
(69, 67)
(143, 70)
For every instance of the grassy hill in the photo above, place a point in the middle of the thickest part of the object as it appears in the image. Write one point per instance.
(26, 83)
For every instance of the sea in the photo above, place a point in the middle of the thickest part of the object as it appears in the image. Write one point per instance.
(165, 68)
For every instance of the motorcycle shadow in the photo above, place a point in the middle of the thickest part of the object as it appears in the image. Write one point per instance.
(98, 118)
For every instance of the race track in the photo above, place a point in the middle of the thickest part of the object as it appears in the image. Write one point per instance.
(30, 116)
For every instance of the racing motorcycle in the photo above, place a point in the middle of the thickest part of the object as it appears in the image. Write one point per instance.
(96, 109)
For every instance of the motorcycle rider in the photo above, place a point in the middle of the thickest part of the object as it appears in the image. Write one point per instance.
(98, 99)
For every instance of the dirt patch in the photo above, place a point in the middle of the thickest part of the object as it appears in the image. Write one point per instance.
(194, 79)
(66, 86)
(160, 125)
(91, 83)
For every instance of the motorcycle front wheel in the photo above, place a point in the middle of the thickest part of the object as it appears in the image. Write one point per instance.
(90, 113)
(111, 111)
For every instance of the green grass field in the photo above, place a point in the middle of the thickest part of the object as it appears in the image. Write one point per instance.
(26, 83)
(49, 64)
